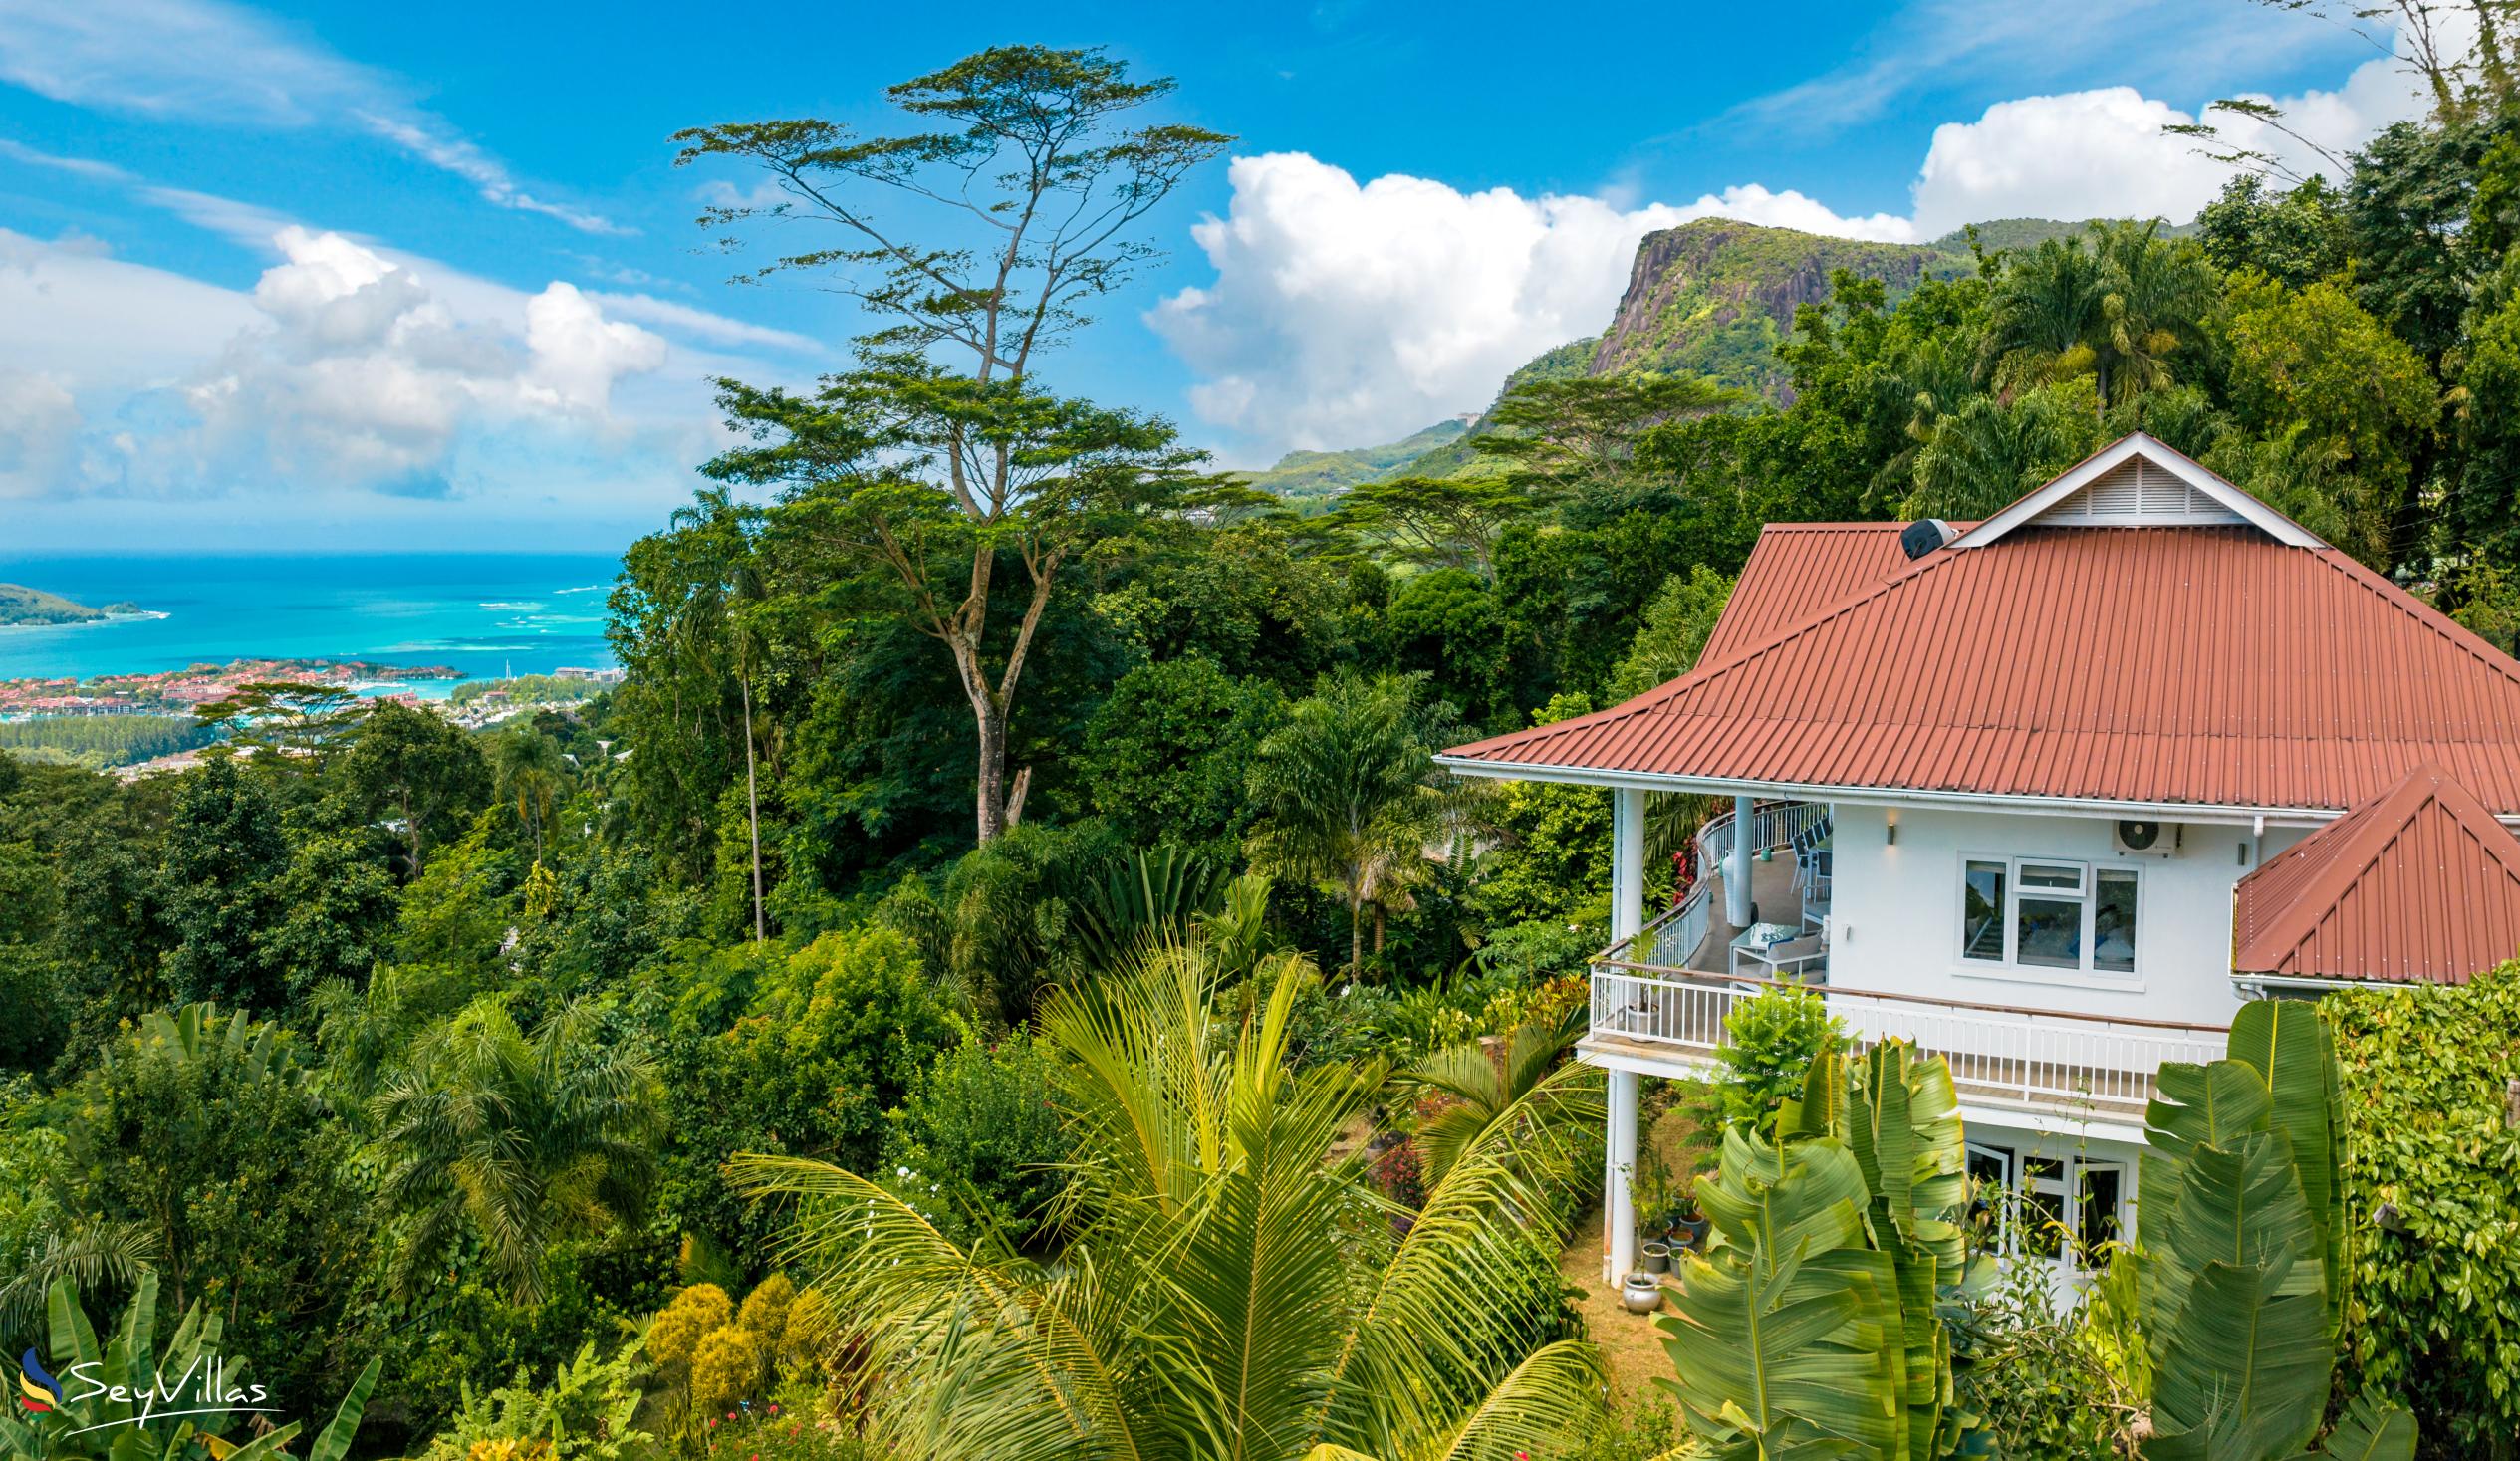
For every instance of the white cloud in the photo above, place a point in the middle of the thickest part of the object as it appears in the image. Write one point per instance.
(2104, 153)
(577, 354)
(39, 426)
(701, 324)
(346, 369)
(1346, 313)
(207, 61)
(1342, 310)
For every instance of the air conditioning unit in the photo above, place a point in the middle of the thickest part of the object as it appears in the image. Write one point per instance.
(2145, 839)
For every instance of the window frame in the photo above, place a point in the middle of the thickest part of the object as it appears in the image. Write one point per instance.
(2085, 895)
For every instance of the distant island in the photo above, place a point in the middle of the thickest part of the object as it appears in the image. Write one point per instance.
(21, 605)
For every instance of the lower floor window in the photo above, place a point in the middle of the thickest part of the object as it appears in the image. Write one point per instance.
(2062, 1209)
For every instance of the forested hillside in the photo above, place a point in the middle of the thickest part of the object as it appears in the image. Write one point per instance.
(1003, 975)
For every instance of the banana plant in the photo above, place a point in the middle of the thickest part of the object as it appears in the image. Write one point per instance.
(1813, 1329)
(122, 1400)
(2239, 1279)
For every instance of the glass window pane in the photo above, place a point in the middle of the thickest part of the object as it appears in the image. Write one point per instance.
(2113, 923)
(1990, 1191)
(2049, 933)
(2043, 1224)
(2060, 876)
(1982, 913)
(2042, 1206)
(2097, 1222)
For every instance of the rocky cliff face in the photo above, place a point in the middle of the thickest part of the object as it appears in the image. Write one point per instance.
(1713, 298)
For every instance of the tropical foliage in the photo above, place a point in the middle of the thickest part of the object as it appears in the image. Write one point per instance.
(939, 884)
(1232, 1283)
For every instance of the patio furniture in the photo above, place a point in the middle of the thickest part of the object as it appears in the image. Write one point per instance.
(1783, 947)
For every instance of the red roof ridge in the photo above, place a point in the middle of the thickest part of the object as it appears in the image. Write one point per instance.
(2377, 583)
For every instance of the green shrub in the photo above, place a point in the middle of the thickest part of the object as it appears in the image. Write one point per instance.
(2031, 1375)
(585, 1411)
(728, 1368)
(674, 1335)
(1772, 1037)
(2434, 1304)
(977, 1145)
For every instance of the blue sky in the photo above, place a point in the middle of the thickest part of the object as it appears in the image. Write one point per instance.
(299, 276)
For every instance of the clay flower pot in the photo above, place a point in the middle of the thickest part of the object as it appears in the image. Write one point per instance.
(1643, 1292)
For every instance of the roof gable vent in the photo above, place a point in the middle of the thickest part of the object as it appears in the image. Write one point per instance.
(2138, 492)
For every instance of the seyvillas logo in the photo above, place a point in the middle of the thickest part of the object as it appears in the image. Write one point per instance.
(203, 1388)
(38, 1392)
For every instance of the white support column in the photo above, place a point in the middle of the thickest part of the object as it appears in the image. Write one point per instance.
(1626, 863)
(1737, 873)
(1618, 1151)
(1618, 1210)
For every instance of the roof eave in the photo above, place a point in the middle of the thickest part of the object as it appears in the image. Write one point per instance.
(1653, 781)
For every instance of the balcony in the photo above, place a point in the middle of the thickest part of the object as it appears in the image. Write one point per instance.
(1660, 998)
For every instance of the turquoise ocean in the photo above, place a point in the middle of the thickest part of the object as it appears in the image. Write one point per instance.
(485, 614)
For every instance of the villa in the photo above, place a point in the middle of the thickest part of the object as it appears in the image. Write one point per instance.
(2049, 795)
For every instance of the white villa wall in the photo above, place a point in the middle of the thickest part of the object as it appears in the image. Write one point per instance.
(1895, 918)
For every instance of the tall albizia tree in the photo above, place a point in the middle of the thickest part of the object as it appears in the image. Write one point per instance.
(1232, 1283)
(977, 246)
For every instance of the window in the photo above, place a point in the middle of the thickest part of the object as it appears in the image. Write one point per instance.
(1990, 1193)
(2113, 922)
(2048, 913)
(1982, 920)
(2096, 1216)
(2062, 1210)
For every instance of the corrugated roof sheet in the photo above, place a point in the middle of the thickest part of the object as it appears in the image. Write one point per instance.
(2207, 665)
(1796, 570)
(2418, 884)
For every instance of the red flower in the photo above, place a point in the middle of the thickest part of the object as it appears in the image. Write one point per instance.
(712, 1422)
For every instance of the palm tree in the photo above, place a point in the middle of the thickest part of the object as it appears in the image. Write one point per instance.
(2117, 307)
(1486, 1087)
(1233, 1285)
(531, 1138)
(531, 769)
(1349, 795)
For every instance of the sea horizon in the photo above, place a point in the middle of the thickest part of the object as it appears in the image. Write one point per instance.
(484, 613)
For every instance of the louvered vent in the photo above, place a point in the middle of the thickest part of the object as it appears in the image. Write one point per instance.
(2138, 491)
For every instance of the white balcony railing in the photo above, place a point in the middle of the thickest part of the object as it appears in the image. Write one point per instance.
(2035, 1057)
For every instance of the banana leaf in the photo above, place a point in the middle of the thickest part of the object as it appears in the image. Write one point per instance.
(2370, 1430)
(1784, 1338)
(2245, 1377)
(2293, 1051)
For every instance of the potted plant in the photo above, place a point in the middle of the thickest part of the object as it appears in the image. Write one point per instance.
(1655, 1257)
(1642, 1293)
(1689, 1229)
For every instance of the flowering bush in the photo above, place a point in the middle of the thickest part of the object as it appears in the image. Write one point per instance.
(978, 1144)
(775, 1431)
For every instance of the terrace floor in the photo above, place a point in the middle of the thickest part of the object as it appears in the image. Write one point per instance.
(1772, 893)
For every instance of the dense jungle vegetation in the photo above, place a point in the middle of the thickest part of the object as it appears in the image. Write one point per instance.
(1008, 927)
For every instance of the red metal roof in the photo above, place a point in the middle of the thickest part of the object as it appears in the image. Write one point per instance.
(2204, 666)
(2418, 884)
(1798, 569)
